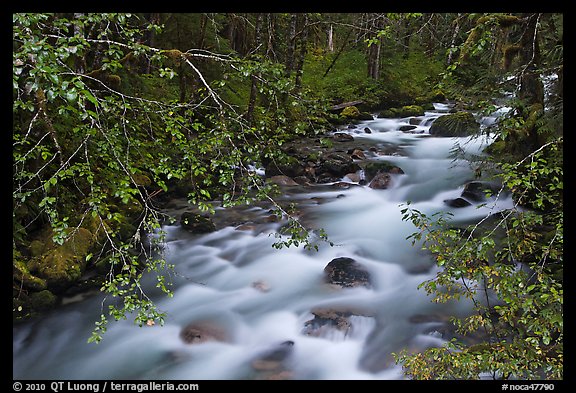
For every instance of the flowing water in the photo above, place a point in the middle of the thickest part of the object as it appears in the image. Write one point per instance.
(261, 300)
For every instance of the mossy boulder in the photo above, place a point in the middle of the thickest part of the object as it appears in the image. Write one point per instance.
(42, 300)
(196, 223)
(352, 112)
(336, 165)
(405, 111)
(411, 110)
(62, 265)
(387, 113)
(372, 168)
(22, 276)
(455, 125)
(287, 165)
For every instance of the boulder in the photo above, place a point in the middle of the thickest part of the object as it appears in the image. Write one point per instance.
(372, 168)
(346, 272)
(288, 166)
(282, 180)
(342, 137)
(352, 112)
(407, 128)
(61, 265)
(457, 202)
(336, 164)
(273, 364)
(367, 130)
(476, 191)
(411, 110)
(381, 181)
(357, 154)
(325, 320)
(196, 223)
(455, 125)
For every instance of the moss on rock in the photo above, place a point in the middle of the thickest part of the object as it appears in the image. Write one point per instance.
(22, 275)
(455, 125)
(62, 265)
(350, 112)
(42, 300)
(411, 110)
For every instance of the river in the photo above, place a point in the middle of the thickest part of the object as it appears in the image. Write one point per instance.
(263, 303)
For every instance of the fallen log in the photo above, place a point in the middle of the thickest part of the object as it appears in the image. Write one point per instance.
(345, 105)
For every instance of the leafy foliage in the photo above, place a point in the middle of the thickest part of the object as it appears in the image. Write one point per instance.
(510, 263)
(96, 139)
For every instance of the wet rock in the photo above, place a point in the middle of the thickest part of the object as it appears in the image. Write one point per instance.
(196, 223)
(372, 168)
(336, 165)
(367, 130)
(282, 180)
(354, 177)
(325, 320)
(200, 332)
(346, 272)
(272, 364)
(476, 190)
(457, 202)
(342, 137)
(261, 286)
(357, 154)
(407, 128)
(415, 121)
(246, 227)
(381, 181)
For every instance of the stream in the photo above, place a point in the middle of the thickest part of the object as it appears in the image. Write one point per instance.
(268, 313)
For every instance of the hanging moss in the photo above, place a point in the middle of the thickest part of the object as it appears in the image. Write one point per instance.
(502, 20)
(467, 46)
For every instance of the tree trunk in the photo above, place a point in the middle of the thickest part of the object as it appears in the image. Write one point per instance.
(531, 87)
(203, 23)
(453, 40)
(331, 39)
(79, 62)
(271, 22)
(407, 33)
(291, 51)
(374, 60)
(303, 43)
